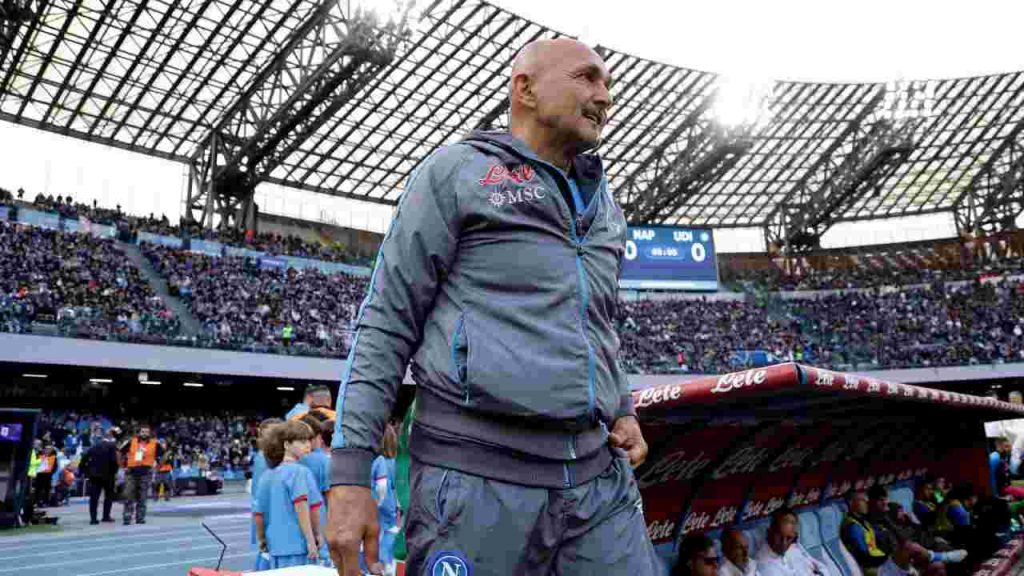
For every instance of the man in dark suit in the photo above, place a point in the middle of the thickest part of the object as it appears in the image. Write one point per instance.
(100, 465)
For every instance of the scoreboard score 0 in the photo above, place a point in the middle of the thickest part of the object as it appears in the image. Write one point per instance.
(669, 258)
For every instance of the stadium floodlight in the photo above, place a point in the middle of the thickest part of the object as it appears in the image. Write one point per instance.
(286, 388)
(193, 385)
(742, 102)
(34, 376)
(100, 380)
(149, 382)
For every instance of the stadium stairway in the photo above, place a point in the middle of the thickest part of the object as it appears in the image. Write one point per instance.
(190, 326)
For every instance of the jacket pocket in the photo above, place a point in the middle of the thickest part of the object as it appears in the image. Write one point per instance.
(460, 356)
(438, 496)
(527, 368)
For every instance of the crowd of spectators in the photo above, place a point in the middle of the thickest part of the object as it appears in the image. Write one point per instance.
(273, 244)
(775, 279)
(194, 442)
(243, 305)
(85, 285)
(88, 288)
(937, 325)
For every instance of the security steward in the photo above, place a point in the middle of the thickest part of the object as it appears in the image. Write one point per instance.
(140, 456)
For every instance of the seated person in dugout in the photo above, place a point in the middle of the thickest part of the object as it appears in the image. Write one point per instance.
(782, 555)
(736, 552)
(697, 557)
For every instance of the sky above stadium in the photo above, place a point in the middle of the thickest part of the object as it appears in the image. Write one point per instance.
(810, 40)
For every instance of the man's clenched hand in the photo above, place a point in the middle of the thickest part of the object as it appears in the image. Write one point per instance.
(626, 435)
(351, 522)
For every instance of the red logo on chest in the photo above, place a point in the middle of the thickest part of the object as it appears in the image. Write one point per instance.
(500, 173)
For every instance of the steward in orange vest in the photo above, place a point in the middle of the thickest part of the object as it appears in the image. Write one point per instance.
(140, 457)
(142, 453)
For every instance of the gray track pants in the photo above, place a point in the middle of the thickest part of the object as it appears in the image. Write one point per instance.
(460, 524)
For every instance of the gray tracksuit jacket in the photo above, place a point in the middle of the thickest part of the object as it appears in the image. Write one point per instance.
(504, 299)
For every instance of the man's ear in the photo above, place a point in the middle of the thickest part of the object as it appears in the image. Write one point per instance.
(522, 90)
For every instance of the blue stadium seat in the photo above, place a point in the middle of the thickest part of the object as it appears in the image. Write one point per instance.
(755, 534)
(811, 540)
(830, 519)
(716, 538)
(902, 493)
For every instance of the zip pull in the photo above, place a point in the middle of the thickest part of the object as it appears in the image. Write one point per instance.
(579, 227)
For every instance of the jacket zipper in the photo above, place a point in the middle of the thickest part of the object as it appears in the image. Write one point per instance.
(576, 229)
(576, 233)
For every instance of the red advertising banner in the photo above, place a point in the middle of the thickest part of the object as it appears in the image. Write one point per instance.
(675, 463)
(725, 488)
(773, 484)
(712, 389)
(849, 470)
(901, 457)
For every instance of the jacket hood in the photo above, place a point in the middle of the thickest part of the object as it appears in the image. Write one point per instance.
(588, 167)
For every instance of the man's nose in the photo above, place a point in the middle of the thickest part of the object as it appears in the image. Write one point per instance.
(603, 97)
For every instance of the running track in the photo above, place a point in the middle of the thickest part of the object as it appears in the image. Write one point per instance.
(171, 541)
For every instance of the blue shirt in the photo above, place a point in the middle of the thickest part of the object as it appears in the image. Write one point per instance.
(998, 472)
(279, 490)
(958, 515)
(925, 512)
(259, 467)
(297, 410)
(579, 203)
(383, 469)
(319, 463)
(580, 196)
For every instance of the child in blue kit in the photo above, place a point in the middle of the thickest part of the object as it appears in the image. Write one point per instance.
(259, 467)
(288, 500)
(382, 482)
(382, 473)
(319, 463)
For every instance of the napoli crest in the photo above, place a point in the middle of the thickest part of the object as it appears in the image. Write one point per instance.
(449, 563)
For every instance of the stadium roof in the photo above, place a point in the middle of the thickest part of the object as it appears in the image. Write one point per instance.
(158, 76)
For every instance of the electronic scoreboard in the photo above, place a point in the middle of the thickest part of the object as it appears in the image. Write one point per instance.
(669, 258)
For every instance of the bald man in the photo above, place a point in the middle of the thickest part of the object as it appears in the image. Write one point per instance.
(498, 280)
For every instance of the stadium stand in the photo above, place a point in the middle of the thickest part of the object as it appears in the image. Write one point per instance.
(922, 317)
(244, 306)
(264, 242)
(83, 284)
(937, 325)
